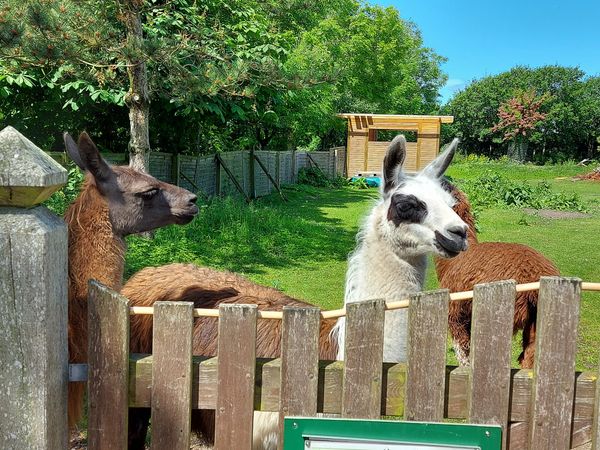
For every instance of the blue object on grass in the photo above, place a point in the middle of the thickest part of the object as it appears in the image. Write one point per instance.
(371, 181)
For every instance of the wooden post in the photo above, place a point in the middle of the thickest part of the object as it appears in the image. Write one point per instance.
(554, 368)
(363, 356)
(236, 371)
(217, 176)
(175, 169)
(33, 299)
(493, 312)
(426, 371)
(172, 375)
(299, 364)
(108, 350)
(251, 177)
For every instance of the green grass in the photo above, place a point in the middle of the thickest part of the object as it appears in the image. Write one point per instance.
(301, 246)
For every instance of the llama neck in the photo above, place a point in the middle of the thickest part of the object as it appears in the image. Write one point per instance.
(95, 251)
(376, 270)
(379, 270)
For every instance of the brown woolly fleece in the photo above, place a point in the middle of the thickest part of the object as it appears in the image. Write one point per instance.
(492, 261)
(207, 288)
(94, 252)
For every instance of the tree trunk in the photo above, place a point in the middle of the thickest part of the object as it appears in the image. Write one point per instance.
(137, 98)
(517, 149)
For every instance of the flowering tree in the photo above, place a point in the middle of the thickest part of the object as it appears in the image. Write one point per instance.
(518, 118)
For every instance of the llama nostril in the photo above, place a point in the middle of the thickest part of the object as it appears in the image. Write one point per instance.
(193, 198)
(458, 231)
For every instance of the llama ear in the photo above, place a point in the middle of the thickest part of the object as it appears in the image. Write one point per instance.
(438, 166)
(90, 158)
(392, 163)
(73, 150)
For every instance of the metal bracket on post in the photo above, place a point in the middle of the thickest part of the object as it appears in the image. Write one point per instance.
(78, 372)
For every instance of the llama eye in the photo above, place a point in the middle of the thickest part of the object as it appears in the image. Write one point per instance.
(146, 195)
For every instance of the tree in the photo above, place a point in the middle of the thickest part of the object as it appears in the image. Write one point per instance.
(518, 118)
(559, 136)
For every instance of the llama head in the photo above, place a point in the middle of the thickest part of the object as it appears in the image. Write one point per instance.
(419, 215)
(137, 202)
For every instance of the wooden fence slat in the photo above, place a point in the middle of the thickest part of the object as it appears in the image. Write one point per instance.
(491, 345)
(554, 369)
(596, 419)
(299, 364)
(172, 375)
(426, 371)
(108, 350)
(236, 371)
(363, 356)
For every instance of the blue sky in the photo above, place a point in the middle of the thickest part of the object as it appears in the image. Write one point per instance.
(485, 37)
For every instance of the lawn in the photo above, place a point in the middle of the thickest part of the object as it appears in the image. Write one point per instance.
(300, 246)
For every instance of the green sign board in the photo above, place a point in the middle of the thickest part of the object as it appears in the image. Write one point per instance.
(302, 433)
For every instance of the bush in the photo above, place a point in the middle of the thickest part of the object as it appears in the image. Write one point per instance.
(60, 200)
(492, 189)
(359, 183)
(313, 176)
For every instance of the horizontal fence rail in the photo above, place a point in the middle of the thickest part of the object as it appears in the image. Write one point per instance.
(552, 406)
(336, 313)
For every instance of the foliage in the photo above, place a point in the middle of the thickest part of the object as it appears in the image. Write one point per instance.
(520, 115)
(564, 133)
(493, 190)
(359, 183)
(222, 74)
(61, 199)
(314, 176)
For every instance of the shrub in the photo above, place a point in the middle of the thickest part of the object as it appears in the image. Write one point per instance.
(313, 176)
(60, 200)
(492, 189)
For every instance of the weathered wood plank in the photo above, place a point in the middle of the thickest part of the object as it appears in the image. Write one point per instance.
(580, 434)
(108, 321)
(299, 364)
(491, 339)
(363, 356)
(426, 371)
(556, 345)
(596, 420)
(172, 375)
(236, 370)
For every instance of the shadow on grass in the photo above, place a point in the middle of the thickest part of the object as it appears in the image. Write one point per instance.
(230, 234)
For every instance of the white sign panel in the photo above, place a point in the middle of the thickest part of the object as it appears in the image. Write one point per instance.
(335, 444)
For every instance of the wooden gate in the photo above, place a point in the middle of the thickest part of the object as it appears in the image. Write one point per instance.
(551, 407)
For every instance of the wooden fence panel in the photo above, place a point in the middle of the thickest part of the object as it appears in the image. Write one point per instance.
(556, 345)
(491, 339)
(363, 356)
(172, 375)
(426, 371)
(108, 322)
(299, 364)
(236, 372)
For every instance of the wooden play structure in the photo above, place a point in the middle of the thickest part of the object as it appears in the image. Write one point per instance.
(365, 149)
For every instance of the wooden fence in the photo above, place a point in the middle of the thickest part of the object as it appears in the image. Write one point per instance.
(250, 174)
(551, 407)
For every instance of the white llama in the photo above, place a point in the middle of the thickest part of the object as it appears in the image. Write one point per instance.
(413, 218)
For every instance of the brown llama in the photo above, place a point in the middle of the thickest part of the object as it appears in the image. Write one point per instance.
(113, 203)
(485, 262)
(206, 288)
